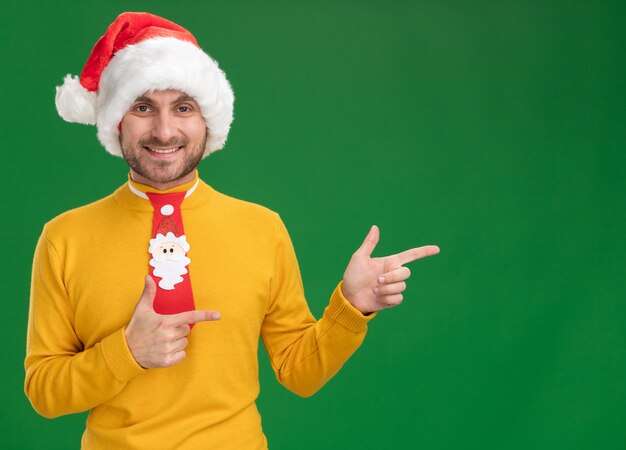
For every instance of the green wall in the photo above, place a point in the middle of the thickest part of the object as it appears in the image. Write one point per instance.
(493, 129)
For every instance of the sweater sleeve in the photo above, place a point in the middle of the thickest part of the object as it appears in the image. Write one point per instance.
(306, 353)
(63, 377)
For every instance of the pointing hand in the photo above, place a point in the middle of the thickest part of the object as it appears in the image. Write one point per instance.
(157, 340)
(372, 284)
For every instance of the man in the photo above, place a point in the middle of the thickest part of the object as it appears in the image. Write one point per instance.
(150, 373)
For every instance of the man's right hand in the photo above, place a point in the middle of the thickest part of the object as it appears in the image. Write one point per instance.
(157, 340)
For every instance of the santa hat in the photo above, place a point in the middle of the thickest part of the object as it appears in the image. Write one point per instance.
(141, 52)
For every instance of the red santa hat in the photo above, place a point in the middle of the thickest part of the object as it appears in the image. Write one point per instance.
(141, 52)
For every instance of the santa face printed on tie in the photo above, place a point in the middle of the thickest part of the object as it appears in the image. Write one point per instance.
(169, 259)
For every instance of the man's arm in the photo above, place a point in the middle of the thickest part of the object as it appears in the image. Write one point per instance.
(305, 353)
(62, 377)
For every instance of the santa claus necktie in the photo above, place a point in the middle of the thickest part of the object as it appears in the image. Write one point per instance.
(168, 250)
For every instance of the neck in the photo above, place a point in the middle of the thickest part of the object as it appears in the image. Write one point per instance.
(165, 185)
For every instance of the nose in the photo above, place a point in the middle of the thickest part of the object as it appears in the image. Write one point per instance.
(164, 127)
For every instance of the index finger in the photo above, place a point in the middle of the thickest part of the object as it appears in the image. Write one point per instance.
(194, 316)
(407, 256)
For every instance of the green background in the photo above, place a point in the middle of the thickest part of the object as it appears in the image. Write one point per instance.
(494, 129)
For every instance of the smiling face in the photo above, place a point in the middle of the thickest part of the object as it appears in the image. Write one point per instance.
(163, 136)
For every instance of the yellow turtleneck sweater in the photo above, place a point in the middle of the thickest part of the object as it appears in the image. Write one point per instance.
(87, 278)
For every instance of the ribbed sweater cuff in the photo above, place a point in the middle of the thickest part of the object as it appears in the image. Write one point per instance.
(118, 356)
(346, 315)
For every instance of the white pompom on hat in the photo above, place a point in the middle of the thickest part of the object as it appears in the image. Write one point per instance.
(139, 53)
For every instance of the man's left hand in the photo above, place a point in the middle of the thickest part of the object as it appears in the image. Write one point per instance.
(372, 284)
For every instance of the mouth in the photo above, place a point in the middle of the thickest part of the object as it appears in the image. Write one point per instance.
(163, 152)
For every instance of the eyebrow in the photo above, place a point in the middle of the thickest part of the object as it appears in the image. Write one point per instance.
(185, 98)
(181, 98)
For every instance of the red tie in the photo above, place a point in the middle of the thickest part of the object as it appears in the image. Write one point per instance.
(168, 248)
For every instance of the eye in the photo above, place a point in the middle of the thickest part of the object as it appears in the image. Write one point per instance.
(184, 109)
(142, 108)
(164, 250)
(171, 250)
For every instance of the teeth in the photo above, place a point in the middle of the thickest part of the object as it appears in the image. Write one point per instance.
(164, 150)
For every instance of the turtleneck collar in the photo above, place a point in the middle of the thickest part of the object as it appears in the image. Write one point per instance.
(133, 195)
(140, 190)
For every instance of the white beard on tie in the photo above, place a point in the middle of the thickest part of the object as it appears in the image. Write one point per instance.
(170, 271)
